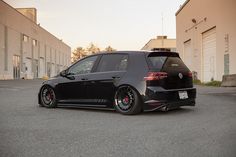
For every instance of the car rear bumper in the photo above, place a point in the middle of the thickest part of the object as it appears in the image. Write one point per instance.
(158, 98)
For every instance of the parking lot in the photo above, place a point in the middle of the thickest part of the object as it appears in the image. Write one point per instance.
(27, 130)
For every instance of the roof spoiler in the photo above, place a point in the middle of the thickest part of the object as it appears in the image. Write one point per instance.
(168, 54)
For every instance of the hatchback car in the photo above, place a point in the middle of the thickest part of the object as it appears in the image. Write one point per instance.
(129, 82)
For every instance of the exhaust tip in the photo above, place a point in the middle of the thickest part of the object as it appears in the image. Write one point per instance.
(165, 108)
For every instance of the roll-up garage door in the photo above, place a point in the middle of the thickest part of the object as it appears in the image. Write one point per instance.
(188, 54)
(209, 55)
(41, 67)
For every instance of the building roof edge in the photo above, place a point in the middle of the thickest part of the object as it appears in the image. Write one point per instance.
(146, 44)
(37, 25)
(182, 6)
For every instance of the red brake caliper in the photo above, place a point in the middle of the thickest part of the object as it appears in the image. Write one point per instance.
(51, 95)
(126, 99)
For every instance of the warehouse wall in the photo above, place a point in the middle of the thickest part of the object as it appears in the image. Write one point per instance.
(208, 14)
(40, 48)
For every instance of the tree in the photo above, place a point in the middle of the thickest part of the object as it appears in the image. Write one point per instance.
(109, 49)
(92, 49)
(78, 53)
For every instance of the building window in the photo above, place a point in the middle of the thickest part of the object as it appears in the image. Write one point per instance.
(25, 38)
(35, 42)
(16, 66)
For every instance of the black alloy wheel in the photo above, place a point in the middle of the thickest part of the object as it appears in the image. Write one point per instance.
(48, 97)
(127, 101)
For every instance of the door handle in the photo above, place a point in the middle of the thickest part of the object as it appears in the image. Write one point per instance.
(70, 77)
(115, 77)
(84, 79)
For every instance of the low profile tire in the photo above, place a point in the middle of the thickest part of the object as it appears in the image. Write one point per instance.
(48, 97)
(127, 101)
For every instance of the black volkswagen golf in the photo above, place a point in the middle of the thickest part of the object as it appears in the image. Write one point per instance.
(129, 82)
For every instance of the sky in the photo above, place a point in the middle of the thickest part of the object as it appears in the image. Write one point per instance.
(122, 24)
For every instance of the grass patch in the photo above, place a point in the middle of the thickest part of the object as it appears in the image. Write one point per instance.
(197, 82)
(212, 83)
(45, 77)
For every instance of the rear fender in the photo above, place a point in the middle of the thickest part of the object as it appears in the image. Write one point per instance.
(135, 89)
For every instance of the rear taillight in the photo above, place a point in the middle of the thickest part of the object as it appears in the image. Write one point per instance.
(155, 76)
(190, 74)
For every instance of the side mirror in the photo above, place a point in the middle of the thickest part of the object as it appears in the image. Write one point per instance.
(63, 73)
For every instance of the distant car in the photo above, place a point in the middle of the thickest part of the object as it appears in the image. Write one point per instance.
(129, 82)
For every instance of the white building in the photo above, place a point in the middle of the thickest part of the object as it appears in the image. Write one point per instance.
(26, 49)
(161, 43)
(206, 37)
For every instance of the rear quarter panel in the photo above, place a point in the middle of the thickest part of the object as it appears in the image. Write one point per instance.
(137, 69)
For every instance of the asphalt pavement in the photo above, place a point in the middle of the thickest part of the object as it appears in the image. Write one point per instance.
(27, 130)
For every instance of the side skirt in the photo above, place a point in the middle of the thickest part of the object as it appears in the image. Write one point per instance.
(84, 106)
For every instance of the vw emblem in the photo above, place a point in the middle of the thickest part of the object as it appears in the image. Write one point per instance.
(180, 75)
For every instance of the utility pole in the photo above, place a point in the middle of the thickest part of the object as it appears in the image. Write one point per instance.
(162, 41)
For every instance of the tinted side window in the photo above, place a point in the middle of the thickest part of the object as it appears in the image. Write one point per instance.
(82, 67)
(113, 62)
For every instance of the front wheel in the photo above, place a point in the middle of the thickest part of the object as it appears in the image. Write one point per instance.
(48, 97)
(127, 101)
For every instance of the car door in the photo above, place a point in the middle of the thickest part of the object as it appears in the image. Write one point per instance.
(73, 85)
(102, 83)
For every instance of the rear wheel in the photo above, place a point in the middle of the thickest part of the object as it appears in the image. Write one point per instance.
(127, 101)
(48, 97)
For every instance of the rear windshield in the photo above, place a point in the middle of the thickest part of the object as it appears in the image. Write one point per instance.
(157, 62)
(163, 62)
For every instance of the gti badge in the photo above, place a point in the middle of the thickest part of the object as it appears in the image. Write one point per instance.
(180, 75)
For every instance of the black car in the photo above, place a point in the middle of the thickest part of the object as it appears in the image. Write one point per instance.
(129, 82)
